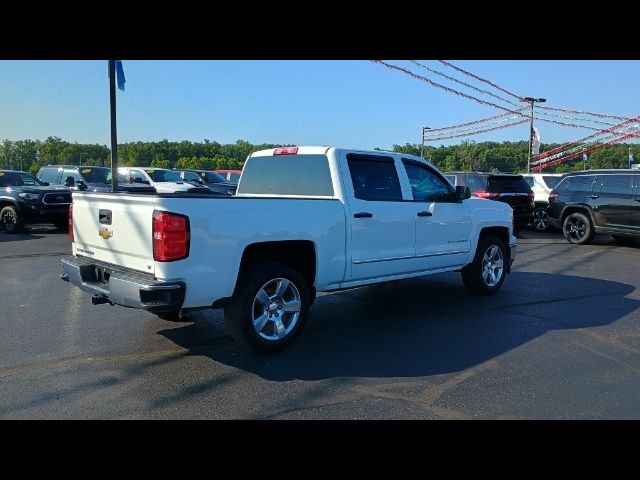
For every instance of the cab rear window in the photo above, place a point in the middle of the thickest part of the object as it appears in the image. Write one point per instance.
(304, 175)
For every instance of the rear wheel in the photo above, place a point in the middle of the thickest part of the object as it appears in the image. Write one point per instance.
(10, 220)
(541, 219)
(270, 308)
(486, 274)
(577, 229)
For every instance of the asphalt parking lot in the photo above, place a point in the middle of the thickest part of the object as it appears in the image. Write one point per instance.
(561, 340)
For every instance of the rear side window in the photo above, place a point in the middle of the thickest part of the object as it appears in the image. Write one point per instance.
(551, 182)
(49, 175)
(582, 183)
(510, 184)
(616, 184)
(374, 178)
(305, 175)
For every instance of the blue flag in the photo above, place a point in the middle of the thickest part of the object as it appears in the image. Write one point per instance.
(120, 75)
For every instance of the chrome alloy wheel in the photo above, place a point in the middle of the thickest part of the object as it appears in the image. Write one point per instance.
(492, 266)
(276, 309)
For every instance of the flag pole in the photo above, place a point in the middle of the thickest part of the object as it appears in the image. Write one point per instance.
(114, 134)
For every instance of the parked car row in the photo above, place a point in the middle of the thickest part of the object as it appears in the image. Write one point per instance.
(504, 187)
(580, 204)
(46, 197)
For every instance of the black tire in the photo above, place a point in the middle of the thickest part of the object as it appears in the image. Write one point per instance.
(239, 315)
(63, 226)
(173, 316)
(577, 229)
(473, 275)
(11, 220)
(540, 221)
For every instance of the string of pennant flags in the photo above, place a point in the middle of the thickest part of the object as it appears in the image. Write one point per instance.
(608, 128)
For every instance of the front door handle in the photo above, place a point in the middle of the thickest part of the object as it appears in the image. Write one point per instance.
(362, 215)
(594, 196)
(424, 214)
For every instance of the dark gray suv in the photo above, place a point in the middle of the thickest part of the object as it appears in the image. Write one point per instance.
(597, 201)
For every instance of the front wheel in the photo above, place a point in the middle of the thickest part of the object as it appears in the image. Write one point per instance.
(486, 274)
(541, 219)
(270, 308)
(11, 220)
(577, 229)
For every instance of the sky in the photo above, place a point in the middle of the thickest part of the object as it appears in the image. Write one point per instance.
(345, 103)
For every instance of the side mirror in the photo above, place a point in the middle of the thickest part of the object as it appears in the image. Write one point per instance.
(69, 181)
(463, 192)
(82, 185)
(200, 181)
(45, 184)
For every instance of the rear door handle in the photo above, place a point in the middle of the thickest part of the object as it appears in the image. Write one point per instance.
(594, 196)
(424, 214)
(362, 215)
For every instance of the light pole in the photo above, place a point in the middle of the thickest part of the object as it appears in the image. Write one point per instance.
(531, 101)
(422, 146)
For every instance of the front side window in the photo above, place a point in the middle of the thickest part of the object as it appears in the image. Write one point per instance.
(73, 174)
(190, 176)
(137, 176)
(374, 178)
(426, 185)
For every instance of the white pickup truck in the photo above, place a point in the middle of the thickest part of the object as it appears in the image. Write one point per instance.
(305, 220)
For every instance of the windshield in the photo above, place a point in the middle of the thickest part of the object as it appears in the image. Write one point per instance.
(96, 174)
(18, 179)
(163, 176)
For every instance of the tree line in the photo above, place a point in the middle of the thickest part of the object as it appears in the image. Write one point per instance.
(30, 155)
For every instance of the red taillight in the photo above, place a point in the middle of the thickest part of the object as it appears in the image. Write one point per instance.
(286, 151)
(483, 194)
(170, 236)
(71, 223)
(553, 195)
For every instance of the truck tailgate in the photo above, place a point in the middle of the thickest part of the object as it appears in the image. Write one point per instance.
(114, 228)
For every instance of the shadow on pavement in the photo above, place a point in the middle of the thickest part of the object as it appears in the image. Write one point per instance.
(18, 238)
(423, 326)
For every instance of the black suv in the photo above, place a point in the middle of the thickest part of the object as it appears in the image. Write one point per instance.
(77, 177)
(503, 187)
(597, 201)
(216, 182)
(24, 199)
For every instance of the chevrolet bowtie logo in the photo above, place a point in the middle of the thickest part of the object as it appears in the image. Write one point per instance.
(105, 233)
